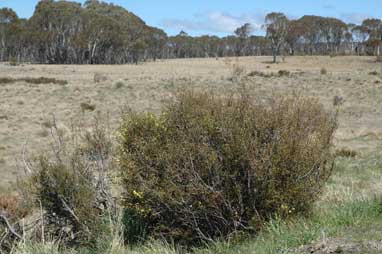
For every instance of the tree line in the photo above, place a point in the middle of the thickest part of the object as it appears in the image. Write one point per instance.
(64, 32)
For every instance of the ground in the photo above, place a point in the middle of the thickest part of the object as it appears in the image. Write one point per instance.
(27, 110)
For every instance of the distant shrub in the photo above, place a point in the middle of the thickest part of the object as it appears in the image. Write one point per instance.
(37, 81)
(260, 74)
(87, 106)
(208, 167)
(99, 77)
(345, 152)
(323, 71)
(44, 80)
(373, 73)
(119, 85)
(282, 73)
(6, 80)
(338, 100)
(13, 61)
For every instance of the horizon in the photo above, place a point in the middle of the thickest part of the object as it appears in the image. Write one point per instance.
(220, 17)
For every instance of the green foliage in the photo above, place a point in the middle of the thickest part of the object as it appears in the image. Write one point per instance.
(135, 226)
(68, 195)
(208, 167)
(13, 61)
(72, 186)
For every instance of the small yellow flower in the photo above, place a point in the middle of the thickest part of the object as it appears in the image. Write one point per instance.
(137, 194)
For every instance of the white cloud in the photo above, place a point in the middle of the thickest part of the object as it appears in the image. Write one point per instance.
(216, 22)
(354, 17)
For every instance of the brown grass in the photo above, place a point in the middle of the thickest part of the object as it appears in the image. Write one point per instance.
(147, 86)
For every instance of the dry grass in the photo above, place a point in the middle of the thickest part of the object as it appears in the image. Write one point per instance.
(146, 86)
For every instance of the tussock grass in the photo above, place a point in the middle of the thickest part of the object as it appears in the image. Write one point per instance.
(278, 236)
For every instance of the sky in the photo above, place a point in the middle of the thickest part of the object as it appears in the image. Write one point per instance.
(221, 17)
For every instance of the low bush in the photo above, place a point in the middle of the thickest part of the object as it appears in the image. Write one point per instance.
(208, 167)
(323, 71)
(99, 77)
(44, 80)
(373, 73)
(73, 189)
(345, 152)
(13, 61)
(282, 73)
(37, 81)
(87, 106)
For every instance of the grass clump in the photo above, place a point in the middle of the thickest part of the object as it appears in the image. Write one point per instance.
(87, 106)
(345, 152)
(373, 73)
(208, 166)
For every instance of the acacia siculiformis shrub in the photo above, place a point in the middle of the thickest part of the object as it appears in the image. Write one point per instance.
(209, 166)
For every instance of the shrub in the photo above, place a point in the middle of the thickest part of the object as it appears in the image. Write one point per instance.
(37, 81)
(73, 189)
(323, 71)
(87, 106)
(283, 73)
(44, 80)
(99, 77)
(260, 74)
(13, 61)
(119, 85)
(345, 152)
(208, 167)
(373, 73)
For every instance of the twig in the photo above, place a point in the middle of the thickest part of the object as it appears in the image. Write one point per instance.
(9, 226)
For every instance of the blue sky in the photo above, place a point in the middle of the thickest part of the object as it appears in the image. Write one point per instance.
(221, 17)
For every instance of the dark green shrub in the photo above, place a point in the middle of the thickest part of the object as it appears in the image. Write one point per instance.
(208, 167)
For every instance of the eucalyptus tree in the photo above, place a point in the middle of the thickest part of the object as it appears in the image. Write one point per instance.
(243, 34)
(9, 25)
(276, 25)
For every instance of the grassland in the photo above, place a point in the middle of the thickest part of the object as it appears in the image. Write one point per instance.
(346, 218)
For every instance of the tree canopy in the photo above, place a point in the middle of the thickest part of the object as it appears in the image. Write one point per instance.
(65, 32)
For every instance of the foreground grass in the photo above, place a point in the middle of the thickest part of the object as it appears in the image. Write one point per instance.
(277, 237)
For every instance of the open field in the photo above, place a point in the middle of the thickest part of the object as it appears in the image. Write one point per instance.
(26, 109)
(344, 217)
